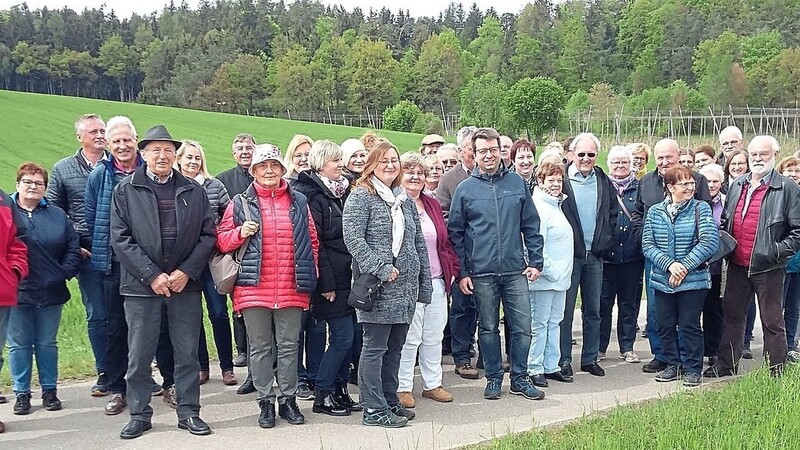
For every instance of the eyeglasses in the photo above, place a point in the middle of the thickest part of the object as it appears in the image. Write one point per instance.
(386, 162)
(31, 183)
(483, 151)
(301, 155)
(449, 162)
(743, 163)
(414, 173)
(586, 155)
(686, 184)
(791, 170)
(620, 163)
(730, 143)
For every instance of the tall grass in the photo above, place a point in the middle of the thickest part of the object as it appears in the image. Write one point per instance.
(755, 411)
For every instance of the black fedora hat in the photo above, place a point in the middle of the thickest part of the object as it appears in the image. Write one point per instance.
(158, 133)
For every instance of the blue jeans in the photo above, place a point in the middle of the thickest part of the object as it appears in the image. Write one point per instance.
(90, 283)
(217, 306)
(5, 313)
(587, 274)
(791, 307)
(312, 342)
(513, 289)
(463, 322)
(335, 365)
(681, 310)
(33, 330)
(547, 311)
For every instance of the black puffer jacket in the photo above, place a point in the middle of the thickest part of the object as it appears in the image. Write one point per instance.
(136, 233)
(335, 271)
(65, 189)
(217, 197)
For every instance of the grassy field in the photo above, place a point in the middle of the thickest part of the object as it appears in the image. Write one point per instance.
(40, 128)
(753, 412)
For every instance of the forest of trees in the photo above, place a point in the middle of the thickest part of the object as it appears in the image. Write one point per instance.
(268, 57)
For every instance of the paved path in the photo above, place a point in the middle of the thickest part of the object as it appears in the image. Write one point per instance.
(469, 419)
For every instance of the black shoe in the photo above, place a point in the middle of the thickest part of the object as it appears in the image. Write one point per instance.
(195, 425)
(717, 371)
(654, 366)
(304, 391)
(325, 403)
(343, 398)
(574, 342)
(402, 411)
(291, 412)
(692, 379)
(134, 429)
(713, 360)
(559, 376)
(566, 370)
(240, 360)
(539, 380)
(246, 388)
(50, 401)
(23, 404)
(594, 369)
(266, 419)
(102, 387)
(747, 353)
(671, 373)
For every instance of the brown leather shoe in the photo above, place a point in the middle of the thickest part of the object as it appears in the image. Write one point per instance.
(203, 377)
(171, 397)
(406, 399)
(116, 405)
(438, 394)
(229, 378)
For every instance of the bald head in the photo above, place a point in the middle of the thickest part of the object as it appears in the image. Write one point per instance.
(666, 153)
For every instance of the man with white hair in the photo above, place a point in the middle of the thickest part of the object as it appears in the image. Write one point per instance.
(448, 154)
(763, 210)
(651, 191)
(730, 140)
(591, 209)
(505, 150)
(65, 189)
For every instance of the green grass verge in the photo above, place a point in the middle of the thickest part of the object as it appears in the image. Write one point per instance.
(753, 412)
(40, 128)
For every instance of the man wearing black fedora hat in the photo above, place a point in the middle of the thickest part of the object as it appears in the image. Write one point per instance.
(162, 231)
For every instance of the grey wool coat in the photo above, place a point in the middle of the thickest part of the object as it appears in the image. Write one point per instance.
(367, 229)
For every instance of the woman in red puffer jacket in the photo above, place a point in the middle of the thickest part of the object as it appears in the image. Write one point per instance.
(278, 275)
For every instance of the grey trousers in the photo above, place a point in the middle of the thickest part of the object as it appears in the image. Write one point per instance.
(378, 369)
(184, 317)
(268, 329)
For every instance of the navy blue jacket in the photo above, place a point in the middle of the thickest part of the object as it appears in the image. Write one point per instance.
(97, 209)
(625, 246)
(490, 216)
(54, 255)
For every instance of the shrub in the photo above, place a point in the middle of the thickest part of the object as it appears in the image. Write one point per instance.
(401, 117)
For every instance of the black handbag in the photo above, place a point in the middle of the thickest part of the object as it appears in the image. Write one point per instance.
(365, 291)
(727, 244)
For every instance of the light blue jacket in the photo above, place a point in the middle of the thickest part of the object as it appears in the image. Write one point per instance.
(558, 242)
(690, 238)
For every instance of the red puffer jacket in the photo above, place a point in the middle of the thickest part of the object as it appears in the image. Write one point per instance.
(276, 287)
(13, 254)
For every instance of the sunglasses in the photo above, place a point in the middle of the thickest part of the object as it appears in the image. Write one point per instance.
(586, 155)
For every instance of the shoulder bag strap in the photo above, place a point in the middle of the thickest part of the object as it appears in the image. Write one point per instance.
(240, 252)
(624, 209)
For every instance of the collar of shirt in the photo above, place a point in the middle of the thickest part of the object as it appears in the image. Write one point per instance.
(575, 174)
(764, 181)
(89, 163)
(156, 179)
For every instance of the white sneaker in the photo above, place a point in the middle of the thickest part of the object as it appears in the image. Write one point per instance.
(630, 357)
(793, 357)
(601, 356)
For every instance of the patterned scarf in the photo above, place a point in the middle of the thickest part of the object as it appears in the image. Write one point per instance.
(395, 211)
(622, 184)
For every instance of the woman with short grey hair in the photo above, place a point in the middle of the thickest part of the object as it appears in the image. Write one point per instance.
(327, 189)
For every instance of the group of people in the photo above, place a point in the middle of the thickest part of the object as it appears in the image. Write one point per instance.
(452, 232)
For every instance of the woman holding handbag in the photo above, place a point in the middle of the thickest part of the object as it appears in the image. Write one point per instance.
(383, 234)
(278, 274)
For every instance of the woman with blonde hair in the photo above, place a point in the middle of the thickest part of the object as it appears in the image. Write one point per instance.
(382, 232)
(190, 161)
(641, 155)
(297, 156)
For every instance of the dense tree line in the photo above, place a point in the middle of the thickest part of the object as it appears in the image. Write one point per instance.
(266, 56)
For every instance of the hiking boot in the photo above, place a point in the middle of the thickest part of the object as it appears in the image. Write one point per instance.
(266, 417)
(492, 391)
(101, 388)
(654, 366)
(383, 418)
(438, 394)
(291, 412)
(23, 404)
(630, 357)
(466, 371)
(401, 411)
(406, 399)
(525, 388)
(692, 379)
(671, 373)
(50, 401)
